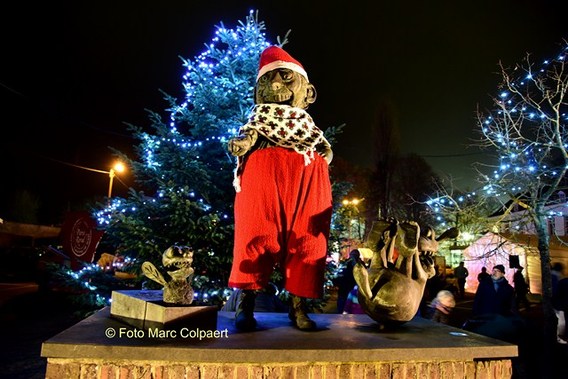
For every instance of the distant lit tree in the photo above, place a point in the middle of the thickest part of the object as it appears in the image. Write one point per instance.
(527, 129)
(467, 211)
(24, 207)
(349, 182)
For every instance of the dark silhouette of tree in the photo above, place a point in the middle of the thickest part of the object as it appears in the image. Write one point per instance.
(398, 184)
(415, 181)
(386, 154)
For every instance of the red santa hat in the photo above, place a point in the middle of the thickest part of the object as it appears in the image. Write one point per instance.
(274, 57)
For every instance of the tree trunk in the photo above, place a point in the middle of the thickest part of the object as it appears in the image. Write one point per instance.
(550, 320)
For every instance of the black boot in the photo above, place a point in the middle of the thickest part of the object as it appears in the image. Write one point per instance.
(244, 316)
(298, 313)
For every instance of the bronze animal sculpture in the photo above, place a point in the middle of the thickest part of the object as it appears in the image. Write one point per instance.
(391, 289)
(178, 290)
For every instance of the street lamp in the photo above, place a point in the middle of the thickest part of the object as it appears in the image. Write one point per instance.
(118, 167)
(353, 201)
(352, 212)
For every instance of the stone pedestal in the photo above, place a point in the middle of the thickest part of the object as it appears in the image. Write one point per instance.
(344, 346)
(146, 310)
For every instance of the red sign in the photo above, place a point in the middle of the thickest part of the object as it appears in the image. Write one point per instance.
(80, 237)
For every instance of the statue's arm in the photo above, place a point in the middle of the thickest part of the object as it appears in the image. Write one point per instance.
(240, 145)
(324, 149)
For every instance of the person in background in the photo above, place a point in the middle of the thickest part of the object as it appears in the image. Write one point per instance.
(442, 306)
(557, 273)
(461, 273)
(494, 313)
(483, 275)
(559, 301)
(346, 281)
(451, 284)
(521, 289)
(495, 296)
(433, 286)
(352, 303)
(560, 304)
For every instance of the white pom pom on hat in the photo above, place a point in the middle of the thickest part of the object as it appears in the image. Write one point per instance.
(274, 57)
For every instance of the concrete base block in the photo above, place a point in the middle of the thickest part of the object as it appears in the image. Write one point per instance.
(145, 309)
(343, 346)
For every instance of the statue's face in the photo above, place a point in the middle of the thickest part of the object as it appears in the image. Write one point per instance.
(177, 256)
(284, 86)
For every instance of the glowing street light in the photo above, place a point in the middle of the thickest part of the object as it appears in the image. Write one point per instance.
(353, 214)
(353, 201)
(118, 167)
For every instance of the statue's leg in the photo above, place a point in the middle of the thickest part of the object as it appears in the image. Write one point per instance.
(383, 258)
(361, 276)
(298, 313)
(244, 316)
(408, 236)
(421, 274)
(390, 258)
(378, 241)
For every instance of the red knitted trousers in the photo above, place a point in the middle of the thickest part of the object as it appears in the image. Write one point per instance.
(282, 217)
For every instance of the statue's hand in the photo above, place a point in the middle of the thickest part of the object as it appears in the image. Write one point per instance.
(239, 146)
(328, 155)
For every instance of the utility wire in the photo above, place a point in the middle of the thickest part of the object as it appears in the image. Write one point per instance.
(12, 90)
(86, 168)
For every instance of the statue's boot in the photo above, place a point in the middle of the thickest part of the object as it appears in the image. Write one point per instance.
(298, 313)
(244, 316)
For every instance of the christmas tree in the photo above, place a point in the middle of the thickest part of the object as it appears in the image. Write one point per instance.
(184, 173)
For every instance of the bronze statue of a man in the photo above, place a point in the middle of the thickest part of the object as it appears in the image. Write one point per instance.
(283, 203)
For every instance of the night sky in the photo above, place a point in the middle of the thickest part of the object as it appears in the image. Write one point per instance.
(73, 73)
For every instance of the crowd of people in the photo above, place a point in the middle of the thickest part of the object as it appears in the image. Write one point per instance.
(494, 294)
(496, 302)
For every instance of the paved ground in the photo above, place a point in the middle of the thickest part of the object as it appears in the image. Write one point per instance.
(26, 321)
(31, 317)
(524, 331)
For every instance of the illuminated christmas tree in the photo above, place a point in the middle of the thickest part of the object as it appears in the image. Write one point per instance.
(184, 173)
(184, 170)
